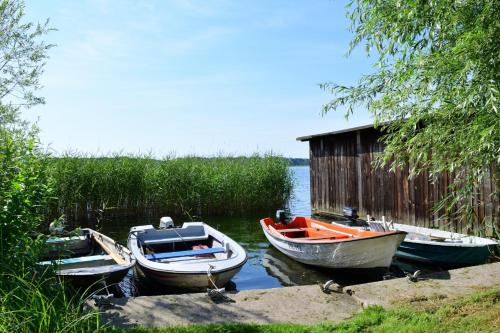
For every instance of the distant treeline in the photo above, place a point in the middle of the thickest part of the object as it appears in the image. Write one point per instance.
(298, 161)
(88, 188)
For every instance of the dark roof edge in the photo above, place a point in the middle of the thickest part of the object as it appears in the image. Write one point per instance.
(347, 130)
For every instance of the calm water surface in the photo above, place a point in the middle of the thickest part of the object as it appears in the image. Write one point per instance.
(266, 267)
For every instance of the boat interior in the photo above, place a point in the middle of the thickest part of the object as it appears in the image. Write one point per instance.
(181, 244)
(308, 229)
(76, 252)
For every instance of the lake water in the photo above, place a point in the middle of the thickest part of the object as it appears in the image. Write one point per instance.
(266, 267)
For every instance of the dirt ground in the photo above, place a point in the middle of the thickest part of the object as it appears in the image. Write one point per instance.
(302, 304)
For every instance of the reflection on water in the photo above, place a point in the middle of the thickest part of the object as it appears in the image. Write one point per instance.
(266, 267)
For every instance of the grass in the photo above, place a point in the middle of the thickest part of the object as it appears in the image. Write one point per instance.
(479, 312)
(40, 303)
(118, 186)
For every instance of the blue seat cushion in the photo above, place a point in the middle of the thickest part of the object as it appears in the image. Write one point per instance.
(189, 253)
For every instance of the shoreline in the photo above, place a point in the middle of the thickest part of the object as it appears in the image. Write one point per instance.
(299, 304)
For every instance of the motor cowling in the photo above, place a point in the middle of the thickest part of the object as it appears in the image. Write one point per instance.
(282, 216)
(350, 212)
(166, 222)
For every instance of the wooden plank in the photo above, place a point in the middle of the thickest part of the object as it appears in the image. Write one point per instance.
(359, 173)
(289, 230)
(119, 260)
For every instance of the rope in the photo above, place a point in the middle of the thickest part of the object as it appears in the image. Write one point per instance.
(216, 294)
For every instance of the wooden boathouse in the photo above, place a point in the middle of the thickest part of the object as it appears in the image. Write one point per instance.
(342, 175)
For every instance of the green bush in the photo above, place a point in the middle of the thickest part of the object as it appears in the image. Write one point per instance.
(24, 193)
(31, 300)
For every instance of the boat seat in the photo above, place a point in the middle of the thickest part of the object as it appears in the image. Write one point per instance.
(156, 241)
(290, 230)
(319, 237)
(77, 260)
(57, 240)
(189, 253)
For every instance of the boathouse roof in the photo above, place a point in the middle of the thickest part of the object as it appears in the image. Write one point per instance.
(346, 130)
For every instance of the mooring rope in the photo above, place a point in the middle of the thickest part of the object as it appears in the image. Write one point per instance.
(216, 294)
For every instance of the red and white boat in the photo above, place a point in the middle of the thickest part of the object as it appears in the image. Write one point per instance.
(317, 243)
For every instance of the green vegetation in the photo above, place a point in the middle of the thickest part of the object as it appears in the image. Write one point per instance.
(476, 313)
(434, 89)
(138, 186)
(40, 303)
(31, 300)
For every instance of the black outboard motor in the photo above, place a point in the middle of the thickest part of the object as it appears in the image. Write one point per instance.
(283, 216)
(350, 212)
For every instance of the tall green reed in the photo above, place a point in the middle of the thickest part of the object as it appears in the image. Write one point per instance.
(89, 187)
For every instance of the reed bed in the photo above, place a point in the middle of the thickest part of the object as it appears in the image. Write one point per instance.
(89, 187)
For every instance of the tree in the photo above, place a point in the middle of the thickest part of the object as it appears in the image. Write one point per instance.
(24, 182)
(22, 59)
(435, 87)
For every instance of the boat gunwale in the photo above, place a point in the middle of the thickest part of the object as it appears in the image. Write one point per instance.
(487, 241)
(197, 272)
(143, 262)
(449, 244)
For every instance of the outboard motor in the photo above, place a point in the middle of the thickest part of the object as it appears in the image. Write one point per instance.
(166, 222)
(350, 212)
(57, 226)
(283, 216)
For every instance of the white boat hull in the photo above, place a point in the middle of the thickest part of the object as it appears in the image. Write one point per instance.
(366, 253)
(187, 281)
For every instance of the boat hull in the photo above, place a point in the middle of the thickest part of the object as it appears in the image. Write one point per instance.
(86, 280)
(187, 281)
(367, 253)
(442, 255)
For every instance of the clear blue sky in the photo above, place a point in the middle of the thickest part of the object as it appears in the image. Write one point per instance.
(192, 77)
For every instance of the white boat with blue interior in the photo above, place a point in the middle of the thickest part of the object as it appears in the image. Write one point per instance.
(192, 257)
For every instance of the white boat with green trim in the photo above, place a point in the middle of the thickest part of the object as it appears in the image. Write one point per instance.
(439, 247)
(88, 258)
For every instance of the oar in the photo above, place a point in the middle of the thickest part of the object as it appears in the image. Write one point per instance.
(113, 255)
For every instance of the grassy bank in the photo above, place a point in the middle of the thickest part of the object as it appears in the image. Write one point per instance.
(40, 303)
(89, 186)
(475, 313)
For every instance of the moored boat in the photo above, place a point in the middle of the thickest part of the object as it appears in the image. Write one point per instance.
(192, 257)
(438, 247)
(88, 258)
(336, 246)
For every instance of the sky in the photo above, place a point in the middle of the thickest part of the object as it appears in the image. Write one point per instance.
(188, 77)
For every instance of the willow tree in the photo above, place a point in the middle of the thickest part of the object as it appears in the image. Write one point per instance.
(22, 59)
(24, 182)
(434, 89)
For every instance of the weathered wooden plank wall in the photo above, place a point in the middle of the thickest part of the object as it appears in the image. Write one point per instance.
(342, 175)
